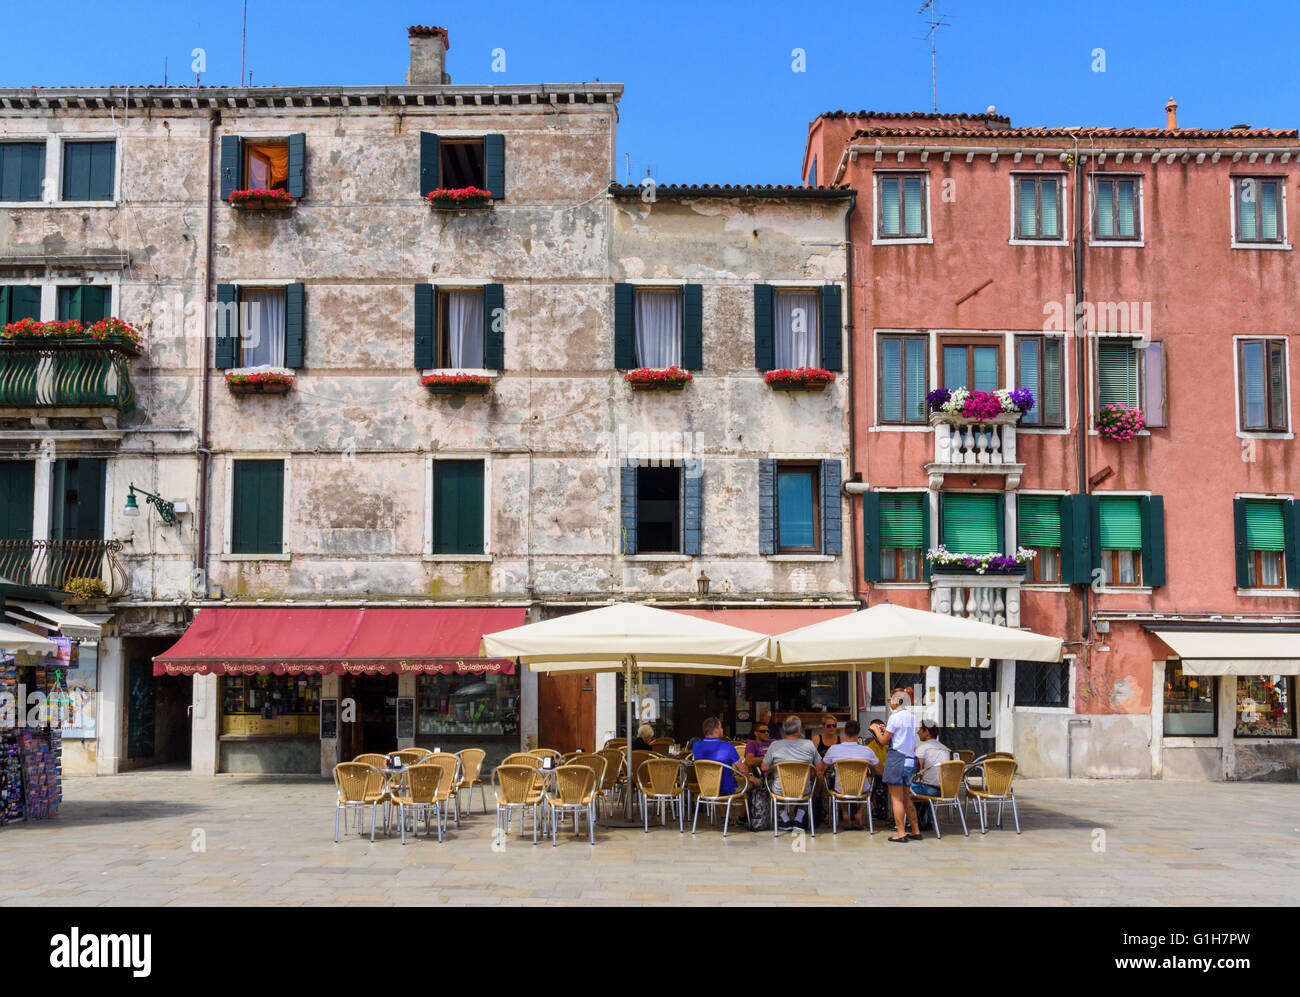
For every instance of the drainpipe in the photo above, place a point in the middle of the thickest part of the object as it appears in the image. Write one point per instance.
(853, 388)
(1080, 353)
(201, 513)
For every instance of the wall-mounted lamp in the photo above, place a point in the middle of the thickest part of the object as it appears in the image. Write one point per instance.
(702, 583)
(166, 510)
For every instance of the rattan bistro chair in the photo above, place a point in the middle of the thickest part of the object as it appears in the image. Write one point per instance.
(709, 791)
(575, 793)
(662, 781)
(614, 778)
(373, 760)
(547, 753)
(965, 755)
(450, 763)
(523, 758)
(849, 782)
(517, 787)
(950, 773)
(998, 773)
(410, 756)
(359, 786)
(427, 789)
(660, 745)
(471, 768)
(791, 784)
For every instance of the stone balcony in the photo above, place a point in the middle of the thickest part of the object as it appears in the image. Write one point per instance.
(974, 447)
(987, 598)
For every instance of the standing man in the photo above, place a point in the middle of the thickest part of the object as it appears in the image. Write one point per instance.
(899, 738)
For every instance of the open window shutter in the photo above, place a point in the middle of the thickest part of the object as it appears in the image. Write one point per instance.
(767, 506)
(871, 536)
(227, 329)
(692, 510)
(5, 306)
(693, 327)
(232, 155)
(1239, 544)
(627, 507)
(1152, 509)
(1076, 539)
(624, 326)
(1094, 534)
(764, 327)
(1153, 371)
(424, 324)
(832, 541)
(494, 164)
(429, 163)
(294, 325)
(925, 536)
(24, 302)
(91, 473)
(494, 326)
(1291, 536)
(297, 183)
(832, 319)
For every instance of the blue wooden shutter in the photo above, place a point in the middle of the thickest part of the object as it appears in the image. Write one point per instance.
(832, 542)
(295, 324)
(692, 509)
(1152, 509)
(624, 326)
(424, 326)
(693, 327)
(764, 327)
(429, 163)
(494, 327)
(297, 183)
(227, 330)
(871, 536)
(1241, 553)
(494, 165)
(627, 507)
(1291, 536)
(832, 319)
(767, 506)
(232, 165)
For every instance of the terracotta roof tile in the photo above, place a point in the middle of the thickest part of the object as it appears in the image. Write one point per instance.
(428, 31)
(731, 190)
(912, 115)
(1082, 133)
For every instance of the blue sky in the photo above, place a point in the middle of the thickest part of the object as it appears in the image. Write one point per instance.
(711, 95)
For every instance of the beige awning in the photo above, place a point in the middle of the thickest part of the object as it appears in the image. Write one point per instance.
(67, 624)
(1221, 652)
(17, 639)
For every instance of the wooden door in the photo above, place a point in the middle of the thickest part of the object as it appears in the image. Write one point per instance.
(566, 711)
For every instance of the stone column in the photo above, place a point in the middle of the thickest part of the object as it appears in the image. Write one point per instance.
(205, 714)
(330, 688)
(527, 708)
(606, 706)
(111, 719)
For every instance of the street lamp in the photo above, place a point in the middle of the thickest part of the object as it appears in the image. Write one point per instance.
(703, 584)
(166, 510)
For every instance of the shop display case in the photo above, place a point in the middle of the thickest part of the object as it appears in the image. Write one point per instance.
(270, 705)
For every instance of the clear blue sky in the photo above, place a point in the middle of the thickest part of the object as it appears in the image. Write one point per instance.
(710, 92)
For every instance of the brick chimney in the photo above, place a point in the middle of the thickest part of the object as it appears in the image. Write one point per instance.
(428, 56)
(1171, 115)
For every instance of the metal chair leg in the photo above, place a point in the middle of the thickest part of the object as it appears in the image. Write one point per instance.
(697, 815)
(726, 819)
(934, 819)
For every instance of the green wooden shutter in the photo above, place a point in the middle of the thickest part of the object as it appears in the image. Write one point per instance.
(22, 171)
(494, 326)
(1119, 523)
(297, 182)
(832, 320)
(970, 523)
(693, 327)
(624, 326)
(494, 164)
(767, 539)
(871, 536)
(227, 331)
(764, 326)
(24, 302)
(832, 519)
(69, 306)
(76, 171)
(627, 508)
(1152, 510)
(295, 326)
(232, 165)
(1076, 539)
(692, 511)
(458, 507)
(1291, 534)
(430, 164)
(1039, 521)
(91, 473)
(103, 163)
(244, 511)
(1240, 549)
(270, 520)
(5, 305)
(17, 500)
(425, 320)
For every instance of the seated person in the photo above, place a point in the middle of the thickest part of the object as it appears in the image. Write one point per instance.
(848, 749)
(793, 747)
(757, 748)
(929, 753)
(644, 735)
(712, 748)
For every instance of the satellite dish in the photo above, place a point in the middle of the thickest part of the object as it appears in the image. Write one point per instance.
(992, 109)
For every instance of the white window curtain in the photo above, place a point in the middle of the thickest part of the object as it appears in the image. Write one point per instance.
(658, 329)
(465, 328)
(796, 329)
(264, 318)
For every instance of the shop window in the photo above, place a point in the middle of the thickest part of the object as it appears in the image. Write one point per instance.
(458, 518)
(1257, 203)
(797, 328)
(1265, 706)
(1043, 683)
(270, 705)
(1261, 385)
(1038, 527)
(1116, 209)
(461, 163)
(467, 707)
(22, 170)
(88, 303)
(89, 170)
(970, 363)
(18, 302)
(460, 328)
(257, 525)
(798, 509)
(902, 378)
(658, 327)
(902, 536)
(1190, 703)
(1038, 207)
(902, 205)
(1120, 521)
(1040, 368)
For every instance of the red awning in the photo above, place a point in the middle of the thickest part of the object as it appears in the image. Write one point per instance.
(244, 640)
(768, 621)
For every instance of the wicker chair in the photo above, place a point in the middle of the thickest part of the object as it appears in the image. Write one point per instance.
(782, 781)
(950, 773)
(547, 752)
(359, 786)
(450, 763)
(638, 759)
(517, 787)
(709, 791)
(471, 768)
(692, 780)
(662, 781)
(428, 788)
(410, 756)
(575, 793)
(523, 758)
(614, 778)
(660, 745)
(373, 760)
(974, 776)
(967, 756)
(615, 742)
(854, 779)
(595, 761)
(998, 773)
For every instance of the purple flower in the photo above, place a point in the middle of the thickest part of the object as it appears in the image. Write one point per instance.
(1023, 399)
(938, 397)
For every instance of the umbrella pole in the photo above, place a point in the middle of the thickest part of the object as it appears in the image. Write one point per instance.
(628, 693)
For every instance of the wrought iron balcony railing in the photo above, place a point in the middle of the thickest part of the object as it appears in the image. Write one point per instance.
(56, 377)
(88, 569)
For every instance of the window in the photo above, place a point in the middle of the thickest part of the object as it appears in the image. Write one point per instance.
(1265, 707)
(902, 536)
(797, 329)
(460, 328)
(972, 524)
(658, 327)
(902, 378)
(458, 161)
(1120, 522)
(1257, 202)
(901, 205)
(461, 163)
(22, 171)
(1132, 373)
(970, 363)
(257, 525)
(264, 313)
(1265, 544)
(1116, 215)
(1040, 368)
(458, 488)
(1038, 527)
(798, 509)
(89, 303)
(1043, 683)
(1190, 706)
(266, 164)
(471, 708)
(88, 171)
(77, 499)
(659, 510)
(18, 302)
(1038, 207)
(1261, 384)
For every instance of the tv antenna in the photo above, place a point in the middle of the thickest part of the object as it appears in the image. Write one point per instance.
(936, 21)
(243, 42)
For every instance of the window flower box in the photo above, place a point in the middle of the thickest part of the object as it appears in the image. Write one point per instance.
(457, 384)
(110, 332)
(980, 405)
(454, 198)
(798, 379)
(259, 382)
(262, 199)
(949, 562)
(1117, 421)
(658, 378)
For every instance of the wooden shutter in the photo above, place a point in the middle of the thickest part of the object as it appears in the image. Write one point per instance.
(22, 171)
(693, 327)
(425, 320)
(692, 510)
(764, 327)
(429, 163)
(5, 305)
(227, 330)
(258, 507)
(297, 183)
(76, 171)
(1076, 539)
(24, 302)
(103, 162)
(767, 506)
(17, 501)
(925, 536)
(91, 473)
(232, 165)
(871, 536)
(458, 507)
(1153, 539)
(832, 521)
(1155, 385)
(494, 165)
(244, 507)
(494, 326)
(69, 304)
(1241, 553)
(627, 507)
(1291, 535)
(624, 326)
(831, 320)
(295, 325)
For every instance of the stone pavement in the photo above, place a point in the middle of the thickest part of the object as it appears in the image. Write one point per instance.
(155, 839)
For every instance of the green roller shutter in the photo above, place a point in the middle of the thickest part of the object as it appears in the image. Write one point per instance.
(1241, 552)
(970, 523)
(624, 326)
(1119, 523)
(1152, 511)
(871, 536)
(226, 334)
(258, 526)
(693, 327)
(1039, 521)
(295, 325)
(831, 320)
(1264, 527)
(494, 326)
(430, 166)
(458, 507)
(764, 327)
(297, 182)
(494, 164)
(425, 320)
(232, 165)
(902, 520)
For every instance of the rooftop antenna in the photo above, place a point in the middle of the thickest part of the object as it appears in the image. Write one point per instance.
(936, 22)
(627, 169)
(243, 39)
(164, 70)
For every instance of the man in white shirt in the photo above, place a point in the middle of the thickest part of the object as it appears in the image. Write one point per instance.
(851, 750)
(899, 738)
(930, 751)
